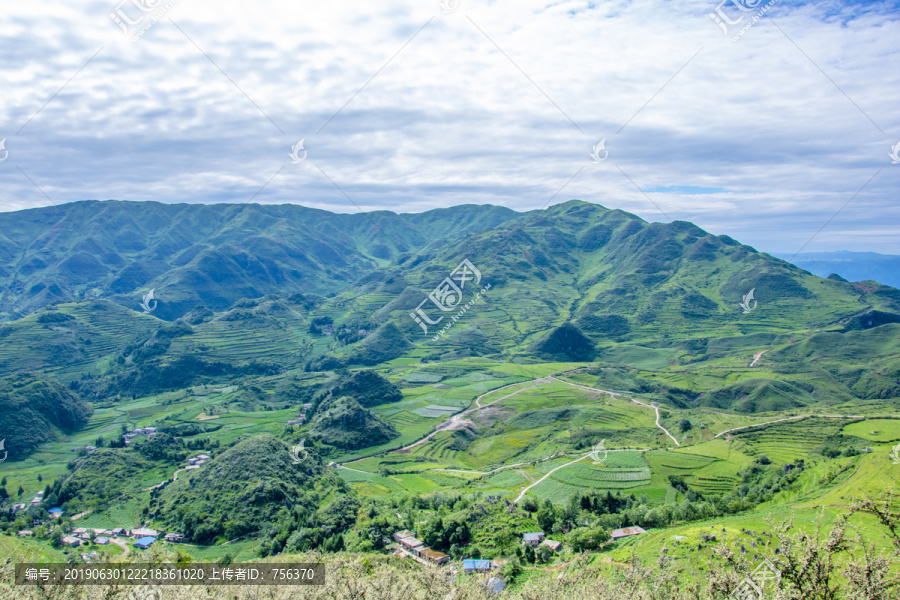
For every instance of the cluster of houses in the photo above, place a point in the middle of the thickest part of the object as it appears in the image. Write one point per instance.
(148, 431)
(144, 537)
(537, 538)
(87, 449)
(196, 462)
(301, 417)
(409, 545)
(34, 502)
(38, 498)
(417, 549)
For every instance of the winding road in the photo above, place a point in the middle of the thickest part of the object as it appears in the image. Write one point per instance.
(459, 421)
(614, 394)
(549, 473)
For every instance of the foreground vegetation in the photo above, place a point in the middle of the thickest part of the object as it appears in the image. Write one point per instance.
(836, 563)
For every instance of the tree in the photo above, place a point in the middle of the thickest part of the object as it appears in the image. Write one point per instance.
(3, 482)
(685, 426)
(3, 493)
(20, 492)
(583, 538)
(546, 517)
(511, 569)
(40, 479)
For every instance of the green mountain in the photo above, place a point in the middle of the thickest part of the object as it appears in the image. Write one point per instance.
(368, 388)
(342, 422)
(575, 282)
(213, 255)
(242, 489)
(34, 410)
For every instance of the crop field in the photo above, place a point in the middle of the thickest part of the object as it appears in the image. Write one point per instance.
(790, 440)
(507, 478)
(625, 459)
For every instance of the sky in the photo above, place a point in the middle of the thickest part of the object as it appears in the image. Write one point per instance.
(775, 127)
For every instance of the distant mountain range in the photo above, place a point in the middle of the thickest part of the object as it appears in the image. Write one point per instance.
(853, 266)
(250, 291)
(206, 254)
(609, 271)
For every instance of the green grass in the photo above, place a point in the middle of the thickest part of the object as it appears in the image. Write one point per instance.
(877, 430)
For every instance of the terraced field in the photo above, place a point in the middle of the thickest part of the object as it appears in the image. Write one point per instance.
(788, 441)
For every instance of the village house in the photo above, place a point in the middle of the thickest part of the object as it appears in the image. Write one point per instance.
(533, 538)
(411, 544)
(71, 541)
(144, 543)
(552, 544)
(402, 534)
(618, 534)
(433, 556)
(175, 537)
(119, 532)
(476, 565)
(26, 533)
(101, 540)
(143, 532)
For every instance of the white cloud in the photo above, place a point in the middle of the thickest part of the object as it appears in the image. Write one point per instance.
(451, 119)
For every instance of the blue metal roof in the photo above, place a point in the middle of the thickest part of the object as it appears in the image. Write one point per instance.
(476, 563)
(144, 542)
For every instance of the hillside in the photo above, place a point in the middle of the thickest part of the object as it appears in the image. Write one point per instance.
(242, 490)
(204, 254)
(342, 422)
(34, 410)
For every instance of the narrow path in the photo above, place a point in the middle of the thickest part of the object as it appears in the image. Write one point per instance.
(162, 483)
(614, 394)
(557, 455)
(460, 471)
(757, 356)
(458, 420)
(81, 514)
(791, 419)
(523, 492)
(356, 470)
(122, 544)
